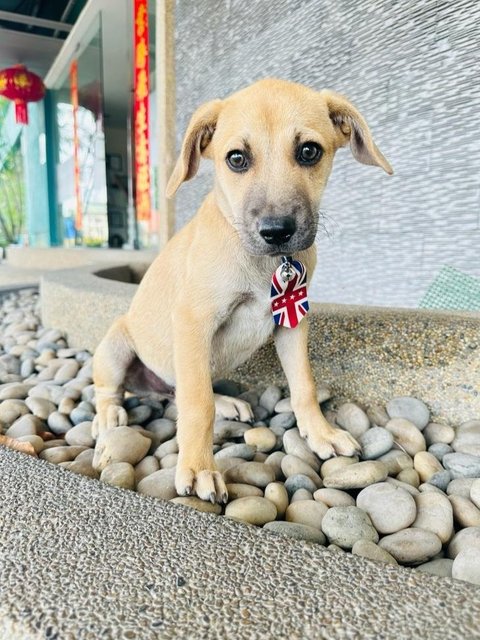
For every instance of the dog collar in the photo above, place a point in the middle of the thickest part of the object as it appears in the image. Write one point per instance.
(288, 293)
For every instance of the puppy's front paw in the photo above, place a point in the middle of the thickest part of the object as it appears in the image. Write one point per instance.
(327, 444)
(108, 418)
(207, 484)
(228, 408)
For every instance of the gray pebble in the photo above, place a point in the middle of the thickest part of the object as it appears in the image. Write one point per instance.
(80, 434)
(435, 514)
(369, 550)
(250, 396)
(274, 460)
(460, 487)
(466, 566)
(162, 429)
(462, 465)
(440, 567)
(122, 444)
(169, 446)
(465, 539)
(292, 465)
(269, 398)
(357, 475)
(439, 450)
(294, 444)
(344, 526)
(278, 431)
(475, 493)
(228, 429)
(260, 413)
(119, 474)
(26, 425)
(375, 442)
(66, 372)
(27, 367)
(378, 415)
(169, 461)
(10, 410)
(56, 455)
(352, 418)
(467, 438)
(160, 484)
(139, 415)
(59, 423)
(285, 420)
(256, 473)
(412, 546)
(299, 481)
(240, 490)
(441, 479)
(390, 508)
(40, 407)
(438, 433)
(145, 467)
(13, 391)
(85, 412)
(301, 494)
(244, 451)
(410, 409)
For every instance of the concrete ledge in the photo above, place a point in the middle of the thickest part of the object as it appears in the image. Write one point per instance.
(81, 560)
(365, 354)
(53, 258)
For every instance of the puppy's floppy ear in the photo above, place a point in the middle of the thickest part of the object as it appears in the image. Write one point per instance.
(352, 127)
(197, 138)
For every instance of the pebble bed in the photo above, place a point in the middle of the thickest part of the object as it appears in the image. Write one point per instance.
(412, 498)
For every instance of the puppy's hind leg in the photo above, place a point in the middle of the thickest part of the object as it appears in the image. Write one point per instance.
(110, 363)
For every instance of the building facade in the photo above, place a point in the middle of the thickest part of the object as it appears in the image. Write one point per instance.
(412, 69)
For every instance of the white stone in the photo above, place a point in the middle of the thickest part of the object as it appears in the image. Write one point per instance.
(357, 476)
(122, 444)
(412, 546)
(390, 508)
(252, 509)
(306, 512)
(434, 513)
(407, 435)
(352, 418)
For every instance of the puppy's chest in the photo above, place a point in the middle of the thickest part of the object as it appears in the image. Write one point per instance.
(244, 326)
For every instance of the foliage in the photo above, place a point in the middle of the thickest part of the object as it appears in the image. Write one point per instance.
(12, 190)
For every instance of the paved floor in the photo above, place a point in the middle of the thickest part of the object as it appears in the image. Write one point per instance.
(81, 560)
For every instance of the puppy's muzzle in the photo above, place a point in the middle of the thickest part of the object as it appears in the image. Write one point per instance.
(277, 229)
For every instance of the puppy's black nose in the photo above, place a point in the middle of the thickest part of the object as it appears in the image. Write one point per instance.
(277, 230)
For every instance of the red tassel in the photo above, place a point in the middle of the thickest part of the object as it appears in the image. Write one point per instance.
(21, 112)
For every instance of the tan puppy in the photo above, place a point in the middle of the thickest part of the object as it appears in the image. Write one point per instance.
(203, 307)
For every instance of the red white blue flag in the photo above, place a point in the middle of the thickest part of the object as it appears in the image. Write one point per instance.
(289, 298)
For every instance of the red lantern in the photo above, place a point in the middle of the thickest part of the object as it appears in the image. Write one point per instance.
(21, 86)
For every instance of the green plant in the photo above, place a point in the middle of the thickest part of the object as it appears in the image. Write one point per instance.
(12, 189)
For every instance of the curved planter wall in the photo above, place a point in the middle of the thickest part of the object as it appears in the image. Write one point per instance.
(365, 354)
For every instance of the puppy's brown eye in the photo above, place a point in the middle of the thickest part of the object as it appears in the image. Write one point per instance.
(237, 160)
(309, 153)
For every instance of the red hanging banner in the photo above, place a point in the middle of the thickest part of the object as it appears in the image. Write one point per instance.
(76, 148)
(140, 110)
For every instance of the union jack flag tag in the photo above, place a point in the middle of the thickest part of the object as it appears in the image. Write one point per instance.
(288, 294)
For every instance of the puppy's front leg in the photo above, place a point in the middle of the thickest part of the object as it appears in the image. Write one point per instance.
(322, 438)
(196, 470)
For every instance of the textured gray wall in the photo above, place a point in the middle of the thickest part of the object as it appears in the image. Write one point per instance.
(413, 69)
